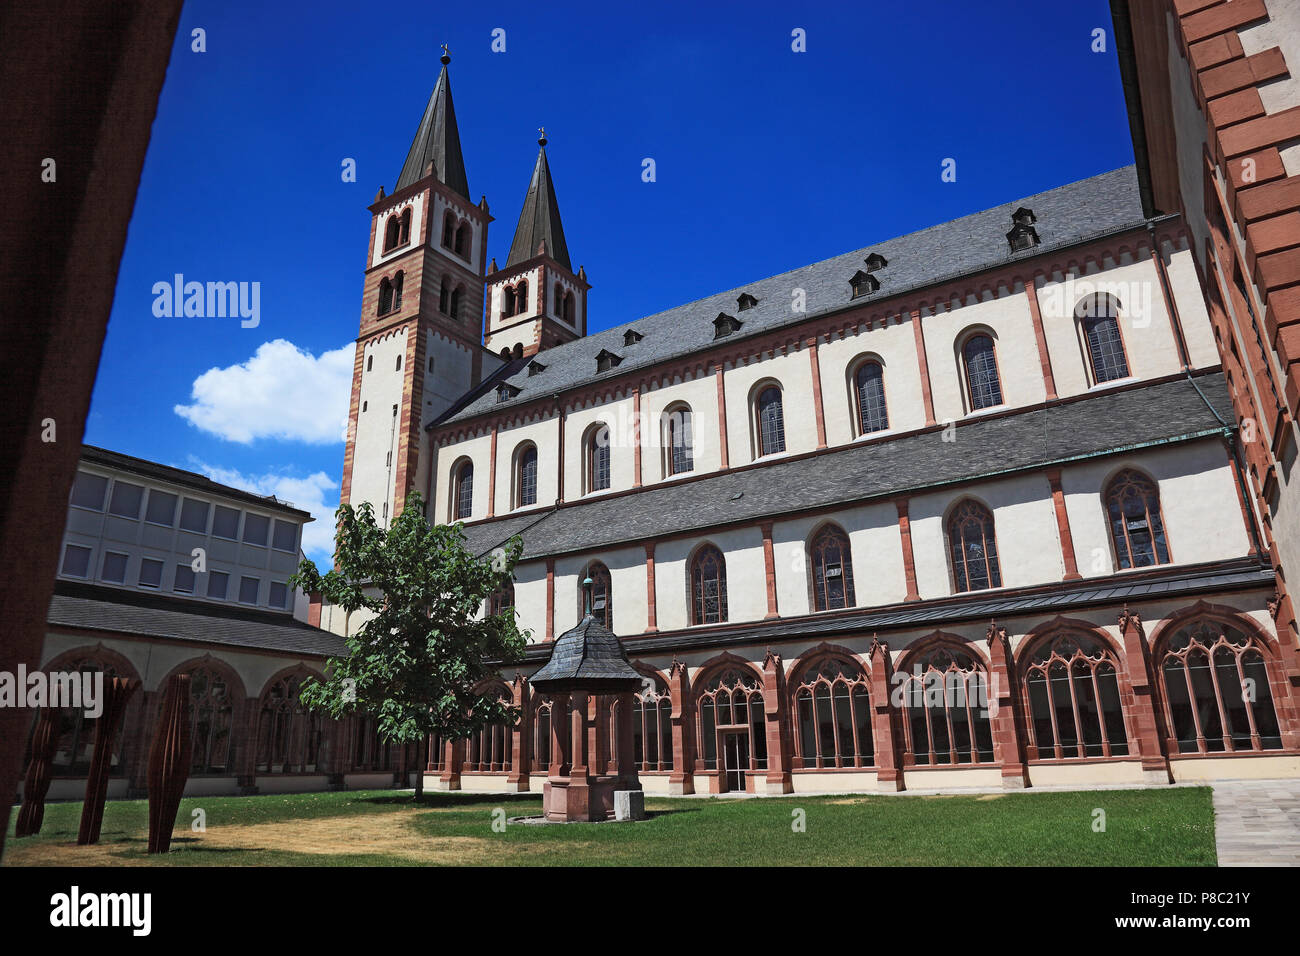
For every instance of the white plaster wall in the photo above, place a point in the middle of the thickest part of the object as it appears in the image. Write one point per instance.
(623, 435)
(794, 374)
(1189, 298)
(530, 599)
(544, 434)
(478, 450)
(746, 577)
(381, 388)
(701, 395)
(895, 346)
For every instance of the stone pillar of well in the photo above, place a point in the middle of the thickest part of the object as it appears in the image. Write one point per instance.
(625, 756)
(682, 780)
(1143, 729)
(521, 747)
(1008, 747)
(889, 771)
(778, 778)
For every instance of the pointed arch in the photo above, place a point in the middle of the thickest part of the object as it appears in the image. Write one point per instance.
(602, 593)
(728, 701)
(216, 708)
(488, 749)
(1137, 528)
(652, 731)
(972, 546)
(944, 693)
(290, 738)
(706, 583)
(830, 704)
(830, 568)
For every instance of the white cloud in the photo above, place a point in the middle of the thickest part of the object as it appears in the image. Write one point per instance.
(316, 493)
(281, 392)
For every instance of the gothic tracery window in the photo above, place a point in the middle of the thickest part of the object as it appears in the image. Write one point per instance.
(832, 569)
(973, 548)
(652, 732)
(211, 721)
(945, 709)
(983, 386)
(1217, 693)
(1072, 684)
(602, 595)
(833, 713)
(488, 749)
(708, 586)
(289, 737)
(1136, 527)
(732, 702)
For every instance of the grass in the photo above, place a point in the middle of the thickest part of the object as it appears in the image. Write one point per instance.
(1172, 827)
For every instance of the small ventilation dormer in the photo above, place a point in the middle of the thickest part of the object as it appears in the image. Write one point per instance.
(725, 324)
(606, 360)
(746, 301)
(535, 367)
(1023, 235)
(875, 262)
(632, 337)
(863, 283)
(506, 391)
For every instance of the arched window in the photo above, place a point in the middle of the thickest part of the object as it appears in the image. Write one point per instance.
(771, 421)
(833, 710)
(730, 725)
(444, 295)
(1098, 316)
(708, 586)
(437, 753)
(945, 709)
(518, 351)
(385, 296)
(1074, 702)
(973, 548)
(289, 737)
(542, 711)
(526, 476)
(679, 452)
(521, 298)
(568, 308)
(462, 492)
(397, 290)
(448, 230)
(463, 236)
(869, 390)
(392, 229)
(211, 721)
(1217, 694)
(983, 387)
(502, 600)
(557, 301)
(76, 731)
(370, 751)
(832, 569)
(488, 749)
(1136, 528)
(508, 301)
(598, 458)
(602, 594)
(652, 729)
(457, 294)
(404, 229)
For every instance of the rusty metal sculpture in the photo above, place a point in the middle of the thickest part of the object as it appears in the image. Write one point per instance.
(169, 763)
(117, 694)
(37, 783)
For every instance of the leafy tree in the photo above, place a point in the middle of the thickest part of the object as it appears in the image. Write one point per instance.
(424, 647)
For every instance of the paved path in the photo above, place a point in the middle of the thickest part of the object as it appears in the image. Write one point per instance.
(1257, 822)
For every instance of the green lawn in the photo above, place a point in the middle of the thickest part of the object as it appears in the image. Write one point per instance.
(1142, 828)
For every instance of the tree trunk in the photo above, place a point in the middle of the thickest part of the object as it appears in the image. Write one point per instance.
(421, 761)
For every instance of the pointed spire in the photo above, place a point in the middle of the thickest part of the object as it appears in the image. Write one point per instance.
(437, 141)
(539, 222)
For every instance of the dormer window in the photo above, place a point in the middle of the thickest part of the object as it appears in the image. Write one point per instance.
(632, 337)
(606, 360)
(506, 391)
(535, 367)
(863, 283)
(1023, 235)
(875, 262)
(725, 324)
(746, 301)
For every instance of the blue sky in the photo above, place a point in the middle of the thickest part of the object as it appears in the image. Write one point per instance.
(766, 160)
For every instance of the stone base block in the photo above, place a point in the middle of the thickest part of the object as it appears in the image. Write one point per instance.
(629, 804)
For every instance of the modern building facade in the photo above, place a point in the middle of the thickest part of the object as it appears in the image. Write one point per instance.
(964, 507)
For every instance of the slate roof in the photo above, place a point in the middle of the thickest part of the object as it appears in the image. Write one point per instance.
(1066, 215)
(1048, 601)
(90, 606)
(187, 479)
(437, 141)
(1100, 424)
(588, 657)
(539, 220)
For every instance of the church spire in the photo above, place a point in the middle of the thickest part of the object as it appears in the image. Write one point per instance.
(540, 219)
(437, 141)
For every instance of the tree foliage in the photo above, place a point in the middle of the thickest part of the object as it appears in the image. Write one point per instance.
(417, 662)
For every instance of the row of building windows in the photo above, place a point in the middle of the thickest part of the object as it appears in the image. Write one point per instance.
(450, 296)
(1131, 500)
(126, 500)
(1215, 693)
(185, 580)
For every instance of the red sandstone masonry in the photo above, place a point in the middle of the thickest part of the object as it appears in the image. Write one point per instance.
(1235, 108)
(1258, 133)
(1240, 74)
(1214, 51)
(1221, 18)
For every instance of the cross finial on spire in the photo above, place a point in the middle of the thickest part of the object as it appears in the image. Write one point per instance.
(541, 140)
(446, 55)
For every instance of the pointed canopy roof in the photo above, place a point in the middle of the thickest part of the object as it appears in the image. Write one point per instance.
(588, 657)
(540, 219)
(437, 141)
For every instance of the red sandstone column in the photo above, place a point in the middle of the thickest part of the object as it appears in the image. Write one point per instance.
(560, 736)
(889, 775)
(1146, 739)
(924, 364)
(778, 742)
(769, 569)
(909, 561)
(1044, 360)
(682, 779)
(521, 747)
(560, 451)
(627, 769)
(248, 758)
(578, 796)
(453, 758)
(1008, 748)
(636, 437)
(597, 734)
(1063, 525)
(722, 418)
(650, 612)
(818, 408)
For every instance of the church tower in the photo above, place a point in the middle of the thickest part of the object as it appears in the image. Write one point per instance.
(419, 347)
(536, 301)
